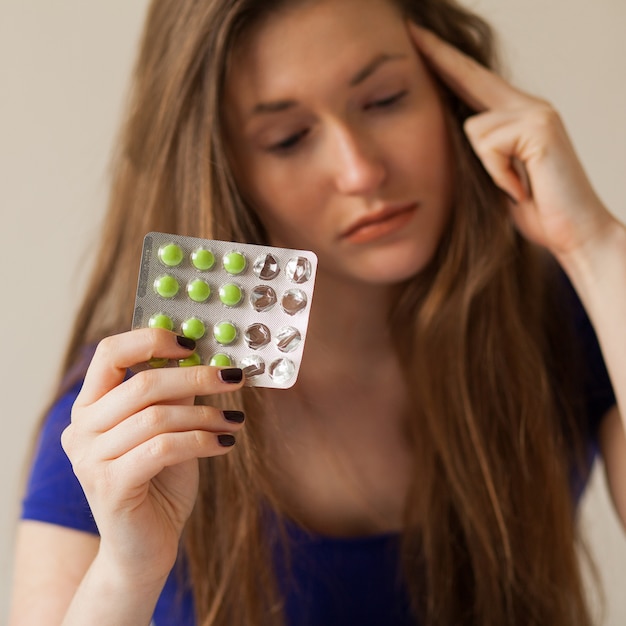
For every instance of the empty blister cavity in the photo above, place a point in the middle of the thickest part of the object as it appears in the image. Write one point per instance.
(257, 336)
(193, 328)
(288, 339)
(263, 298)
(245, 305)
(252, 365)
(171, 255)
(231, 294)
(282, 371)
(298, 269)
(198, 290)
(166, 286)
(266, 267)
(293, 301)
(202, 259)
(234, 262)
(225, 332)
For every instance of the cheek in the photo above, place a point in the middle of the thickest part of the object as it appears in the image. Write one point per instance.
(288, 210)
(286, 192)
(423, 151)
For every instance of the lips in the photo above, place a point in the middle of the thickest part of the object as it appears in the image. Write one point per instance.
(382, 220)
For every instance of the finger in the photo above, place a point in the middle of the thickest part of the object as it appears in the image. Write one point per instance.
(502, 171)
(495, 136)
(115, 354)
(160, 386)
(144, 462)
(160, 420)
(476, 85)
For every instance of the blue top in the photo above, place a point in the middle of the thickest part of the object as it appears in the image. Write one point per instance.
(333, 581)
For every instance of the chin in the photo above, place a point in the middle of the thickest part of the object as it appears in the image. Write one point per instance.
(394, 267)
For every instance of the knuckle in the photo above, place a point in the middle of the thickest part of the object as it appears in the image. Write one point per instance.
(546, 116)
(200, 439)
(209, 413)
(471, 124)
(204, 443)
(141, 383)
(152, 418)
(154, 338)
(68, 437)
(198, 378)
(158, 447)
(106, 349)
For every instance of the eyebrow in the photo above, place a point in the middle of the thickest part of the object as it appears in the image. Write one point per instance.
(281, 105)
(372, 66)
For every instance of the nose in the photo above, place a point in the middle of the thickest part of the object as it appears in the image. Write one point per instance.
(358, 166)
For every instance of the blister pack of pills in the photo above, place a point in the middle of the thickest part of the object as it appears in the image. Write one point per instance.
(245, 305)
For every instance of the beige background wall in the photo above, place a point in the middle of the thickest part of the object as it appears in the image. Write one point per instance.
(64, 67)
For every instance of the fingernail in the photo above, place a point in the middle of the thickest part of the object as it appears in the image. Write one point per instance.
(231, 375)
(236, 417)
(226, 440)
(186, 342)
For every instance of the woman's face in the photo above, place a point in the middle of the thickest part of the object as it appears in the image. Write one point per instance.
(337, 137)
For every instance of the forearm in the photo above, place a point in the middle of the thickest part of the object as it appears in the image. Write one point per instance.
(599, 275)
(105, 597)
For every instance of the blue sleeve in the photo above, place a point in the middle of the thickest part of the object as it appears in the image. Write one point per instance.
(53, 493)
(599, 396)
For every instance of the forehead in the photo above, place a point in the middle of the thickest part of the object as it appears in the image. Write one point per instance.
(313, 37)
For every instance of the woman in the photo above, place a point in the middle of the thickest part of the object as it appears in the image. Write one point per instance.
(426, 466)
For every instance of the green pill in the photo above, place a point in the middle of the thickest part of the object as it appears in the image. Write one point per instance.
(156, 363)
(202, 259)
(193, 328)
(224, 333)
(171, 255)
(231, 294)
(234, 262)
(160, 320)
(221, 360)
(198, 290)
(190, 361)
(166, 286)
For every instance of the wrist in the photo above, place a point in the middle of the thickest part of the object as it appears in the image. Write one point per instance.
(109, 594)
(588, 263)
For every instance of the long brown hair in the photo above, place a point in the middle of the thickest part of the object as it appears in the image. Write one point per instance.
(490, 534)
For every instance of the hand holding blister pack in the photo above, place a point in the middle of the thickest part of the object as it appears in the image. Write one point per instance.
(244, 305)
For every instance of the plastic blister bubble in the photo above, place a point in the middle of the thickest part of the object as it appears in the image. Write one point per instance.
(298, 270)
(263, 298)
(288, 339)
(245, 305)
(293, 301)
(266, 267)
(282, 370)
(257, 336)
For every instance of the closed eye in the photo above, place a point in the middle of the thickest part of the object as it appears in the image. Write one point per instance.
(387, 102)
(288, 143)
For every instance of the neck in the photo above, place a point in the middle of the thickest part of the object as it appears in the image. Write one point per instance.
(337, 438)
(349, 351)
(349, 325)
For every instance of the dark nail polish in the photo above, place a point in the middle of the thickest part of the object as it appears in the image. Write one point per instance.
(231, 375)
(236, 417)
(226, 440)
(185, 342)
